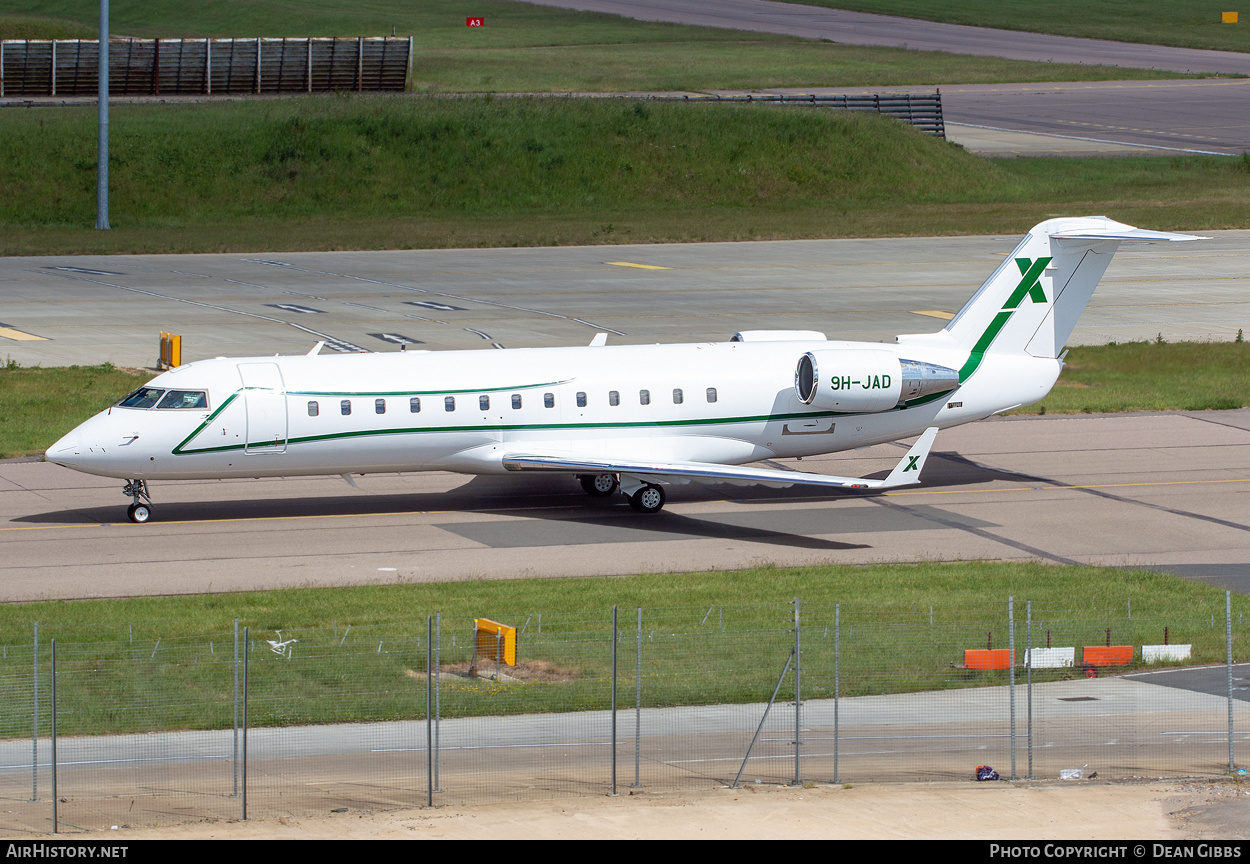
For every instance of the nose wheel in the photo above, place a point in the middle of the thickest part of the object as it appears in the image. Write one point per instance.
(141, 510)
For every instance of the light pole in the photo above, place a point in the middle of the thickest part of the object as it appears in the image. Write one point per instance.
(102, 148)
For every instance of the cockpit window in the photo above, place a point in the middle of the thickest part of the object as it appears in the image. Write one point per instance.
(144, 397)
(184, 399)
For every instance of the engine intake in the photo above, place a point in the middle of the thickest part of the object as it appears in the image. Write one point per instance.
(867, 380)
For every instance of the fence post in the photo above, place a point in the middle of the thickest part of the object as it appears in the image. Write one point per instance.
(438, 668)
(1228, 638)
(764, 719)
(55, 812)
(245, 694)
(638, 701)
(1028, 671)
(837, 622)
(34, 735)
(1011, 677)
(235, 735)
(429, 714)
(798, 695)
(613, 745)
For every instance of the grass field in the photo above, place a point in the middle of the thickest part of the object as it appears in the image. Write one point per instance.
(1149, 376)
(41, 405)
(404, 172)
(154, 663)
(1185, 23)
(525, 48)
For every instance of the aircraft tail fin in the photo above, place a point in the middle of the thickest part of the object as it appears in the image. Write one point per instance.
(1031, 303)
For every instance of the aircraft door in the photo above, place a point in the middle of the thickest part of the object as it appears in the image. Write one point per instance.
(264, 396)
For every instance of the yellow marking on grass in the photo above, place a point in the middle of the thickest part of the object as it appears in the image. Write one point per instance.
(19, 336)
(934, 313)
(639, 266)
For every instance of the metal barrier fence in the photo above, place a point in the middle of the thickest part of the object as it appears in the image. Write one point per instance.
(923, 110)
(140, 731)
(156, 67)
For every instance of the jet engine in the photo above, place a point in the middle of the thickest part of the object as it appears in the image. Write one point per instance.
(867, 380)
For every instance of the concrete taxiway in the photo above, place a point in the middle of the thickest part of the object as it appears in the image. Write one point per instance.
(861, 28)
(1165, 491)
(61, 310)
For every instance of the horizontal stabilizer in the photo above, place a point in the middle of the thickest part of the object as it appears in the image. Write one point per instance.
(905, 473)
(1138, 234)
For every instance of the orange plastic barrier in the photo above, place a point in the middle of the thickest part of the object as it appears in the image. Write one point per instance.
(1108, 655)
(982, 658)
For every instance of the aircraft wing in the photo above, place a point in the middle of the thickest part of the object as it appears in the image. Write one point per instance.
(906, 472)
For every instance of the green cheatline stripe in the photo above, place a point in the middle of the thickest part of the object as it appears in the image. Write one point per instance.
(978, 350)
(513, 427)
(366, 433)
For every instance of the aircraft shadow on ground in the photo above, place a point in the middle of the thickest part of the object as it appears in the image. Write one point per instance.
(546, 498)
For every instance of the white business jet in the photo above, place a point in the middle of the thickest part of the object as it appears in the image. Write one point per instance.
(632, 418)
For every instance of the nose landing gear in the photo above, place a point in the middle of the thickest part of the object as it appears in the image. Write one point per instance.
(139, 511)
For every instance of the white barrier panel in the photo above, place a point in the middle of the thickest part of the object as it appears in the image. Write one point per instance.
(1050, 658)
(1158, 653)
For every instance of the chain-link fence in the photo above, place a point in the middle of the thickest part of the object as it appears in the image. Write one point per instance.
(437, 711)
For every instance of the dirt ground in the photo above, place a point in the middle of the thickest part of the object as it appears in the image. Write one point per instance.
(1084, 810)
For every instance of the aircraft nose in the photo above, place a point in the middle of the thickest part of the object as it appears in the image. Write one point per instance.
(68, 450)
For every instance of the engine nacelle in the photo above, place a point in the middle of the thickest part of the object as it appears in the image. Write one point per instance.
(866, 379)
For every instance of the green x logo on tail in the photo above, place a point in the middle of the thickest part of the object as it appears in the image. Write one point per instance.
(1028, 284)
(911, 464)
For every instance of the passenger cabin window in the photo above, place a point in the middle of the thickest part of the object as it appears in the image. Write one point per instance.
(345, 407)
(644, 397)
(614, 397)
(184, 399)
(313, 410)
(549, 400)
(414, 405)
(711, 394)
(483, 403)
(449, 403)
(581, 400)
(516, 400)
(144, 397)
(677, 396)
(379, 406)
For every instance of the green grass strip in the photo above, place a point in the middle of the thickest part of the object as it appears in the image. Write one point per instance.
(1150, 376)
(406, 172)
(146, 664)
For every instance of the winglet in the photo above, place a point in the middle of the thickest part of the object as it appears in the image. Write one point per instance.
(599, 341)
(907, 471)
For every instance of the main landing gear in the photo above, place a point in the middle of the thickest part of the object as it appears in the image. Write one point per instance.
(643, 497)
(138, 511)
(598, 485)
